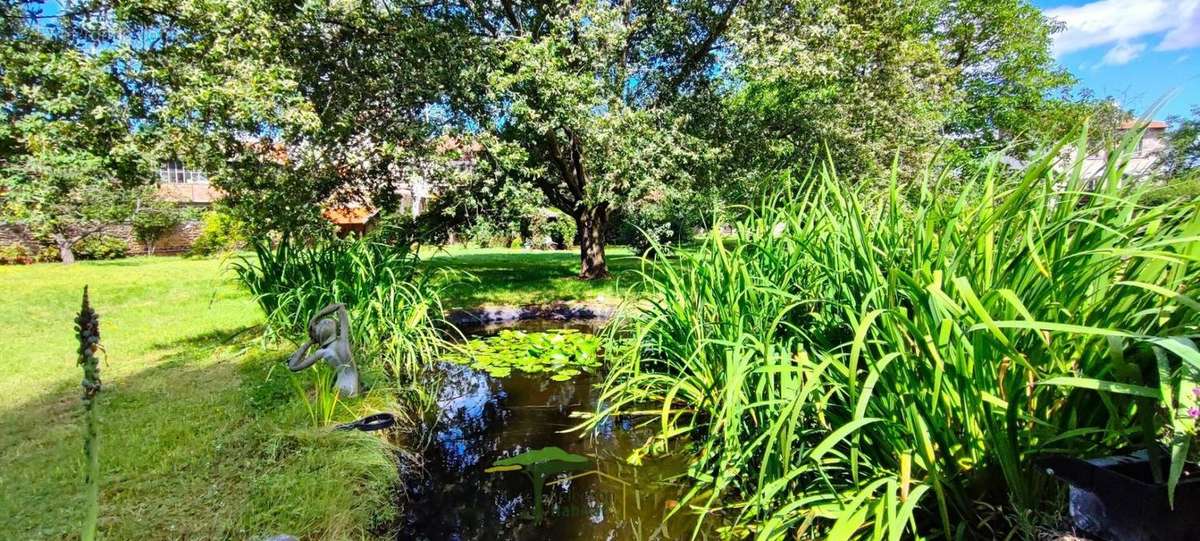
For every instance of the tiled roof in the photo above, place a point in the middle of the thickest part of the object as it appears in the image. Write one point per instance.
(1151, 125)
(349, 215)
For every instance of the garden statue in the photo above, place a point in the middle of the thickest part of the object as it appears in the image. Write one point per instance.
(332, 340)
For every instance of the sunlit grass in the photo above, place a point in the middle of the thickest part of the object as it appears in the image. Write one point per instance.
(200, 434)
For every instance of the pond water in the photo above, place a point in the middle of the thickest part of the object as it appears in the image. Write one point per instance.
(485, 419)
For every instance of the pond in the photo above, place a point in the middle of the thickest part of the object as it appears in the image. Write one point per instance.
(485, 419)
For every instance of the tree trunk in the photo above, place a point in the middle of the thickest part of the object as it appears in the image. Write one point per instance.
(64, 249)
(590, 224)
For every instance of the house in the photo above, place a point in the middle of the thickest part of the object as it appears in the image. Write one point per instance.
(1147, 157)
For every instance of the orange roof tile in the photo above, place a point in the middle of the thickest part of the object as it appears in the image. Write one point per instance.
(349, 215)
(1151, 125)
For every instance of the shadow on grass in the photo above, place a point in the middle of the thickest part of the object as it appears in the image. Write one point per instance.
(211, 340)
(158, 428)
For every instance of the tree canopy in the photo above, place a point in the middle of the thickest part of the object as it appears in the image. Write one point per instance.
(597, 106)
(71, 156)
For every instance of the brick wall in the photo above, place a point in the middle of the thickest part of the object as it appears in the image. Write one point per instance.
(178, 240)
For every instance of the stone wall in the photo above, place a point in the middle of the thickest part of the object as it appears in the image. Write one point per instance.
(178, 240)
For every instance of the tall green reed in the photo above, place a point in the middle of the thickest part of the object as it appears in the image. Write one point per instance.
(322, 406)
(392, 301)
(891, 369)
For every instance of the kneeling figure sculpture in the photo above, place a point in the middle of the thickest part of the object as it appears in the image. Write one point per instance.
(332, 340)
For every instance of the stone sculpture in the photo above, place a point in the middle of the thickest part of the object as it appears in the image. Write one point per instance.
(332, 340)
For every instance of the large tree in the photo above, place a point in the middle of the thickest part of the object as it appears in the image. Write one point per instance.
(71, 157)
(584, 101)
(862, 82)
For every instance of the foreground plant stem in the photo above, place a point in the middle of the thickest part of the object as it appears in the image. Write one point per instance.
(87, 327)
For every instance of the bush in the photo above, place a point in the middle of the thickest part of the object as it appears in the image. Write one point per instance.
(98, 247)
(896, 372)
(15, 253)
(219, 233)
(48, 254)
(155, 219)
(486, 234)
(666, 222)
(551, 229)
(1183, 190)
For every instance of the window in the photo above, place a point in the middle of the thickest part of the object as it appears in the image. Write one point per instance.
(176, 173)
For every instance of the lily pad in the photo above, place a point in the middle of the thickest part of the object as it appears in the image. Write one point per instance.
(563, 354)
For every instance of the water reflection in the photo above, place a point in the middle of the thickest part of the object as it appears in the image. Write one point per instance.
(486, 419)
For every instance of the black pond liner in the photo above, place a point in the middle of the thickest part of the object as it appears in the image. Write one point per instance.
(1114, 498)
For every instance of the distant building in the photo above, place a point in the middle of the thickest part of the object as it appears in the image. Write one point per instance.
(1147, 159)
(178, 184)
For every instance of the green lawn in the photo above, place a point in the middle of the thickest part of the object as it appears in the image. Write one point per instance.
(515, 277)
(202, 436)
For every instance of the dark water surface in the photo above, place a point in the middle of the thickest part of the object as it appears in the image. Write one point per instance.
(485, 419)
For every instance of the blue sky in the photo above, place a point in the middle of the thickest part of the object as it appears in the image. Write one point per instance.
(1135, 51)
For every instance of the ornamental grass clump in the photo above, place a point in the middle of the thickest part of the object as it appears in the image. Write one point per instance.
(893, 368)
(392, 302)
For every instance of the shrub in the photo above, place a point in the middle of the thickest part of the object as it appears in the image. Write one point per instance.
(895, 371)
(1183, 190)
(219, 232)
(486, 234)
(666, 222)
(156, 218)
(48, 254)
(551, 229)
(15, 253)
(101, 247)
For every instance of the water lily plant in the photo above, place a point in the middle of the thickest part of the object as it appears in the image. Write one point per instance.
(537, 465)
(563, 353)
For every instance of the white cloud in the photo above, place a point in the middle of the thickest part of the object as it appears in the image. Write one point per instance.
(1117, 21)
(1182, 59)
(1185, 35)
(1122, 53)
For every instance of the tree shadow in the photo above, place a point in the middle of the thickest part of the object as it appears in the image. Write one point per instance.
(172, 414)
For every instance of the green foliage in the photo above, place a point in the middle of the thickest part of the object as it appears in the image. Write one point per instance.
(220, 232)
(1183, 145)
(391, 300)
(97, 247)
(71, 158)
(15, 253)
(549, 229)
(1183, 190)
(866, 83)
(323, 404)
(857, 370)
(665, 221)
(155, 217)
(563, 353)
(487, 234)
